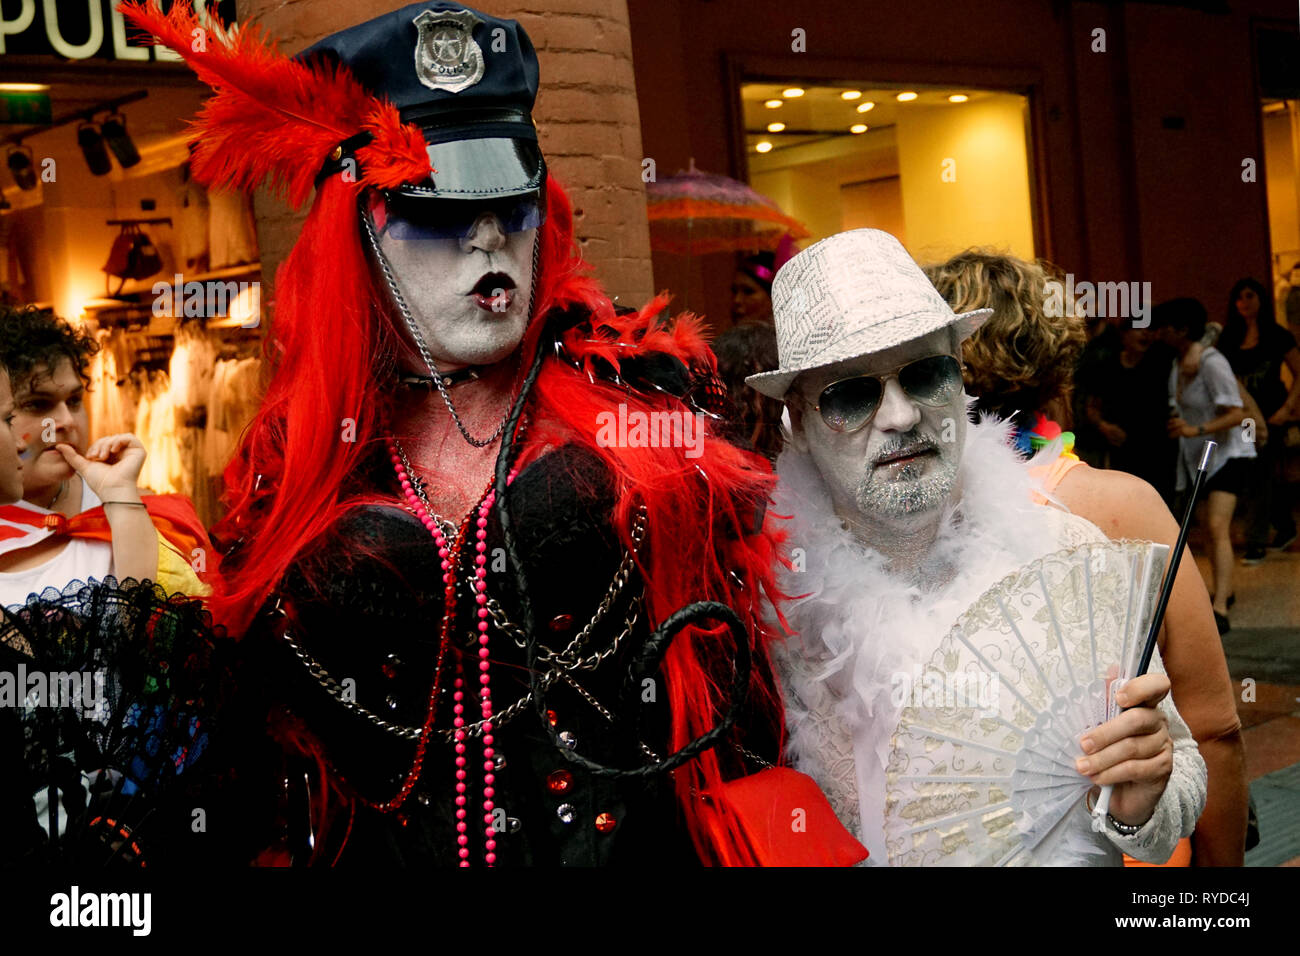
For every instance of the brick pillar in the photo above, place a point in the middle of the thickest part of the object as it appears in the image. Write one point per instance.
(586, 116)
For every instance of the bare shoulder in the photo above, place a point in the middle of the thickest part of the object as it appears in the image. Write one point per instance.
(1120, 504)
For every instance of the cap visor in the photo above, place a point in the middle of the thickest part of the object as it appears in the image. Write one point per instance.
(489, 168)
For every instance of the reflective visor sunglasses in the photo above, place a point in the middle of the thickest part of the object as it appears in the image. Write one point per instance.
(402, 217)
(851, 403)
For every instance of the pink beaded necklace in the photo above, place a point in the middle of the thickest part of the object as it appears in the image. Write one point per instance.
(449, 555)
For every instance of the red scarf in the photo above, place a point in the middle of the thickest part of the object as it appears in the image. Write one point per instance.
(173, 515)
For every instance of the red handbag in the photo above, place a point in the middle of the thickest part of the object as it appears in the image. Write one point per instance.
(133, 256)
(788, 821)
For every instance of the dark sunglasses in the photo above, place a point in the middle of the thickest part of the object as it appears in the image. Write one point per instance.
(851, 403)
(403, 217)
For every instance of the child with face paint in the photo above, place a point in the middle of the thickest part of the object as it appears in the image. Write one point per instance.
(81, 515)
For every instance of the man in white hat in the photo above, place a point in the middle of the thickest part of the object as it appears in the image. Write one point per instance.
(902, 514)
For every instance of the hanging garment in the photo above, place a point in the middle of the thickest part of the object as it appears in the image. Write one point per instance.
(232, 239)
(192, 227)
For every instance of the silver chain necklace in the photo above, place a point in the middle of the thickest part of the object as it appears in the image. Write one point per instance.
(449, 527)
(419, 339)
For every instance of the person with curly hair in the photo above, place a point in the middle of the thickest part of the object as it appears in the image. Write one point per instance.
(1020, 363)
(82, 514)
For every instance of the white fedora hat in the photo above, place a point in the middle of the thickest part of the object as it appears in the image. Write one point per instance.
(852, 294)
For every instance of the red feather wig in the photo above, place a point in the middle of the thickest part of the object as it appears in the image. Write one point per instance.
(332, 353)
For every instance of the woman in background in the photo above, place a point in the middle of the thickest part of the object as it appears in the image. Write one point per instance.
(1257, 347)
(1207, 405)
(1020, 364)
(751, 289)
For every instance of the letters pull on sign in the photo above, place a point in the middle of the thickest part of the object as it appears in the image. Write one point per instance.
(446, 55)
(33, 108)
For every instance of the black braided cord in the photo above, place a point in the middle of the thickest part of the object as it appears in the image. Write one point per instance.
(650, 654)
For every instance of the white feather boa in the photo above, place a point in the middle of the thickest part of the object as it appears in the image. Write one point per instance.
(857, 624)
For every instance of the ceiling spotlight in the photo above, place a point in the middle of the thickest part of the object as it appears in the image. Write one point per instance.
(20, 164)
(92, 147)
(858, 128)
(865, 107)
(775, 127)
(774, 104)
(851, 95)
(958, 98)
(119, 141)
(906, 97)
(764, 147)
(793, 92)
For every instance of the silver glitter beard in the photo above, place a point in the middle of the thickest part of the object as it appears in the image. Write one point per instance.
(908, 493)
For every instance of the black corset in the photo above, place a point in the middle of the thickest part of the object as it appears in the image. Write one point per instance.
(361, 652)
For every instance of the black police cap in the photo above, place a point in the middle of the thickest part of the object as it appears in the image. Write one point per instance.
(467, 79)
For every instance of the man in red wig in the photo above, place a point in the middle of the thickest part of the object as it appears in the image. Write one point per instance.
(499, 583)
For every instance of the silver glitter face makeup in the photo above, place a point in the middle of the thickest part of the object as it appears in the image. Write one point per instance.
(901, 468)
(914, 487)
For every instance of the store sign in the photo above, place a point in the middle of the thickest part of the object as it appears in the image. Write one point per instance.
(33, 108)
(81, 30)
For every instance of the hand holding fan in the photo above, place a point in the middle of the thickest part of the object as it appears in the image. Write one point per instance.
(992, 781)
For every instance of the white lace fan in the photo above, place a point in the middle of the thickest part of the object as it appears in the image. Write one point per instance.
(982, 769)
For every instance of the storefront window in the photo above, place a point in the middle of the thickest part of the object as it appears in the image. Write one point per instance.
(941, 168)
(1281, 124)
(102, 224)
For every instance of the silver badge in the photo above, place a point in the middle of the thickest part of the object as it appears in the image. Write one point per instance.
(446, 56)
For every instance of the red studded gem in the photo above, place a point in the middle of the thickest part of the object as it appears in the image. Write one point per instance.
(605, 822)
(550, 717)
(559, 781)
(561, 622)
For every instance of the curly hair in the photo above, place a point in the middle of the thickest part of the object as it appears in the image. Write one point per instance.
(32, 338)
(1022, 359)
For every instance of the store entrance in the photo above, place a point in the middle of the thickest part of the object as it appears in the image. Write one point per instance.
(941, 168)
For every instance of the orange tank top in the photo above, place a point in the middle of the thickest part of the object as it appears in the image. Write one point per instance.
(1052, 474)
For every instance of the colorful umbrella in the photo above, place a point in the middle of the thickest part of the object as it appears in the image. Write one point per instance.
(693, 213)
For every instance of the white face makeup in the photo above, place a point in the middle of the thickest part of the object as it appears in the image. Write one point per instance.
(901, 467)
(469, 297)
